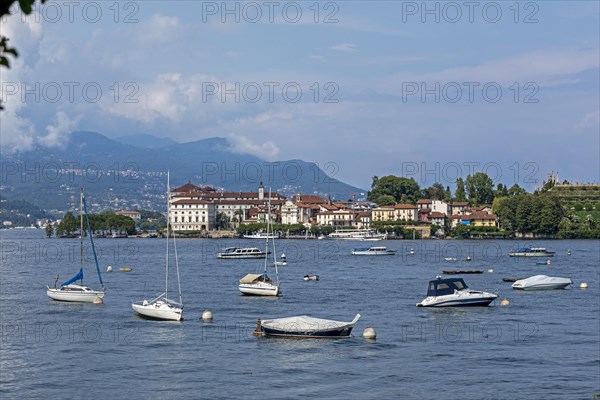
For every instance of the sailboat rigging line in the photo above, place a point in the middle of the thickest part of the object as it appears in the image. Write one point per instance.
(87, 220)
(177, 269)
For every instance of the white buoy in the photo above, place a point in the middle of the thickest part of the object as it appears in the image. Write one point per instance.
(207, 315)
(504, 302)
(109, 269)
(491, 270)
(548, 262)
(583, 285)
(369, 333)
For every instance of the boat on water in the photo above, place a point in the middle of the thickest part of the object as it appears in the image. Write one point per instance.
(373, 251)
(242, 252)
(70, 291)
(462, 271)
(261, 235)
(261, 284)
(311, 277)
(454, 292)
(305, 327)
(531, 252)
(542, 282)
(356, 234)
(161, 307)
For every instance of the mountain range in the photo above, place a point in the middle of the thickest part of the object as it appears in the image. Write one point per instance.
(129, 172)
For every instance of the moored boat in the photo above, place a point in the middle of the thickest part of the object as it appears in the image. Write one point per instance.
(69, 291)
(542, 282)
(531, 252)
(242, 252)
(454, 292)
(305, 327)
(373, 251)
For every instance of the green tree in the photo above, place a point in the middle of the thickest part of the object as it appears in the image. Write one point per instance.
(68, 225)
(480, 188)
(589, 220)
(447, 194)
(49, 229)
(403, 190)
(565, 224)
(501, 191)
(222, 220)
(523, 213)
(551, 213)
(460, 190)
(385, 200)
(435, 192)
(516, 190)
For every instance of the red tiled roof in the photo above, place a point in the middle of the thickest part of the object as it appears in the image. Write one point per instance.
(188, 187)
(436, 214)
(459, 204)
(479, 215)
(405, 206)
(310, 199)
(424, 201)
(191, 201)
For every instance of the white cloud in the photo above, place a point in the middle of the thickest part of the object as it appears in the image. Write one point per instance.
(58, 134)
(241, 144)
(18, 133)
(348, 47)
(590, 121)
(544, 68)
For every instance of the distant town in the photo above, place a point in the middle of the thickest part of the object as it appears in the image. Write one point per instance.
(395, 206)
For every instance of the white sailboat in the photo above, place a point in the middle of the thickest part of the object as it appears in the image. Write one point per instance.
(161, 307)
(262, 284)
(70, 291)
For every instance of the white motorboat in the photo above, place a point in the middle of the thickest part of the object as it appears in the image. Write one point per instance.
(311, 277)
(242, 253)
(305, 327)
(162, 307)
(261, 235)
(542, 282)
(373, 251)
(531, 252)
(262, 284)
(454, 292)
(69, 291)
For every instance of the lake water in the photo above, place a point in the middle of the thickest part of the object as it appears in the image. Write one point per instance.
(544, 345)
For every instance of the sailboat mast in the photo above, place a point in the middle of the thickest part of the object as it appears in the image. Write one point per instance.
(81, 227)
(273, 241)
(168, 235)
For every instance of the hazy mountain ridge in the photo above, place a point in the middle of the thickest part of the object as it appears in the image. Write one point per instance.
(124, 174)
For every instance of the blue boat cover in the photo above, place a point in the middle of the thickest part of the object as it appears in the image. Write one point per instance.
(442, 287)
(75, 278)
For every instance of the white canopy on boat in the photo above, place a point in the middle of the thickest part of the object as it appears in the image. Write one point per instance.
(250, 278)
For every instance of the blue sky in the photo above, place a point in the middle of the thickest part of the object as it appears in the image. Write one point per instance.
(425, 90)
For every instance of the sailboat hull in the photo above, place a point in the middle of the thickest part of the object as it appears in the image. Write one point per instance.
(76, 294)
(259, 289)
(159, 310)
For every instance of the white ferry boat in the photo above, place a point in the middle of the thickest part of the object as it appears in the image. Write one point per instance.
(242, 252)
(531, 252)
(373, 251)
(357, 234)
